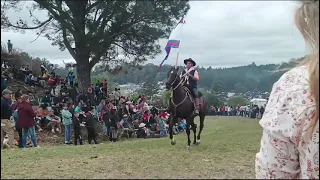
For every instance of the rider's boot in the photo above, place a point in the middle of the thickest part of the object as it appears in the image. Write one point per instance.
(197, 101)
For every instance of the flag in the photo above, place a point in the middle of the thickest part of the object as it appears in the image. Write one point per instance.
(174, 40)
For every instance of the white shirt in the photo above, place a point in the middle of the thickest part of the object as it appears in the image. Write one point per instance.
(287, 151)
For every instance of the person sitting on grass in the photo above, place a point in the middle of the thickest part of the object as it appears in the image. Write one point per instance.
(124, 122)
(54, 121)
(67, 122)
(162, 124)
(182, 125)
(142, 131)
(41, 115)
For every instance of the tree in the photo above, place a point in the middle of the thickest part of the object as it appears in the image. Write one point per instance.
(212, 99)
(166, 97)
(150, 87)
(217, 86)
(110, 32)
(237, 100)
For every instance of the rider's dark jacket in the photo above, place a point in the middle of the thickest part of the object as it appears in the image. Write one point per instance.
(192, 83)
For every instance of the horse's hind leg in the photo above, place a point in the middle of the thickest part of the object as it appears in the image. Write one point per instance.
(201, 128)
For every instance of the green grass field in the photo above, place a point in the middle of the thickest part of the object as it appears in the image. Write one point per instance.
(227, 150)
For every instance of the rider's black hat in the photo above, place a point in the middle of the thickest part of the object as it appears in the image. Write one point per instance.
(189, 60)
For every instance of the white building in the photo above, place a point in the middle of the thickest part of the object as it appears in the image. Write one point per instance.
(259, 102)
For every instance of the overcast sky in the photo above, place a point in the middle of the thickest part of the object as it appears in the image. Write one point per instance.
(217, 34)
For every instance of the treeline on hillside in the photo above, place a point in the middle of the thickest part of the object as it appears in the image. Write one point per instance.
(236, 79)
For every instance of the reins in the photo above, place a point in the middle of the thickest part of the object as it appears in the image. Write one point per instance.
(174, 88)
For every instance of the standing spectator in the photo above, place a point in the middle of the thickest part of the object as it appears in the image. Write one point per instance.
(16, 119)
(18, 94)
(67, 122)
(114, 119)
(261, 111)
(105, 86)
(71, 78)
(9, 46)
(73, 93)
(43, 69)
(77, 128)
(90, 92)
(90, 124)
(116, 96)
(290, 139)
(4, 80)
(52, 69)
(26, 121)
(6, 113)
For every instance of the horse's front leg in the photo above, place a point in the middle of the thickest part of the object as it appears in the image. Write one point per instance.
(173, 141)
(188, 132)
(194, 129)
(201, 128)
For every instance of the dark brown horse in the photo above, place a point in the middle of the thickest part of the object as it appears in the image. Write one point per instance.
(182, 106)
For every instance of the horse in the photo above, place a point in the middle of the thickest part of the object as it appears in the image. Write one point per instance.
(182, 106)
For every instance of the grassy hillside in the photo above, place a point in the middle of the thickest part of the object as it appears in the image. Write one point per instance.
(228, 149)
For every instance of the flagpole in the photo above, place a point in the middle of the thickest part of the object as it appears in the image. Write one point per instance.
(177, 58)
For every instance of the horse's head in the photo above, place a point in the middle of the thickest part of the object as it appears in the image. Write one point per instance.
(173, 78)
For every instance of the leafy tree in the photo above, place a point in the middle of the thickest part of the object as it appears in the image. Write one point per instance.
(166, 97)
(212, 99)
(217, 86)
(110, 32)
(150, 87)
(237, 100)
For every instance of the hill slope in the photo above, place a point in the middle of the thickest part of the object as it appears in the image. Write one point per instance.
(236, 79)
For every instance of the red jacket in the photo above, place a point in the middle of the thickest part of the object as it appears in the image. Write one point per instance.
(163, 115)
(105, 84)
(52, 81)
(26, 115)
(146, 118)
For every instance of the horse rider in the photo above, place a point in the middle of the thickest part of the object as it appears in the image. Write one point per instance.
(192, 78)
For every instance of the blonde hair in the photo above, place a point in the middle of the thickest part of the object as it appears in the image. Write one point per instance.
(24, 98)
(307, 21)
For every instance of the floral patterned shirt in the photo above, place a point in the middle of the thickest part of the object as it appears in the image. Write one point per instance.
(289, 149)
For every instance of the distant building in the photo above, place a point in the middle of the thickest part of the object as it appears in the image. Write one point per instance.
(259, 102)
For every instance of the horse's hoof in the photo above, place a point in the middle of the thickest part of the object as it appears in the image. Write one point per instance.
(198, 142)
(188, 147)
(173, 142)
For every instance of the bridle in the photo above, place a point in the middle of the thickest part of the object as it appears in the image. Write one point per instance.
(180, 82)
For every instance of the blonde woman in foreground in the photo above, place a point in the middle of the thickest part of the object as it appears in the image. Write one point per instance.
(290, 140)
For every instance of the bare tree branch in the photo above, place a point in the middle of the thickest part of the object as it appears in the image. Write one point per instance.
(35, 27)
(67, 44)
